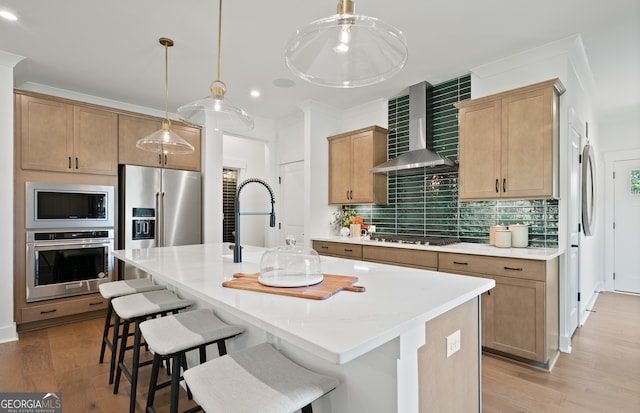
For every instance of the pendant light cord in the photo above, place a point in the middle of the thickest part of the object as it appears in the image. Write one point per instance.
(219, 37)
(166, 82)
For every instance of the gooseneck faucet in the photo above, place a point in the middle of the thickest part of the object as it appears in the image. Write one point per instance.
(237, 248)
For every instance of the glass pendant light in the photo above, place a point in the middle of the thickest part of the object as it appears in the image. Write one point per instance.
(165, 140)
(346, 50)
(220, 113)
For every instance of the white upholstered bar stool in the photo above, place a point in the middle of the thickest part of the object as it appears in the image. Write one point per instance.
(171, 337)
(109, 291)
(136, 308)
(256, 379)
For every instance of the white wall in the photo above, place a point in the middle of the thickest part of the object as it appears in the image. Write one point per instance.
(303, 136)
(7, 325)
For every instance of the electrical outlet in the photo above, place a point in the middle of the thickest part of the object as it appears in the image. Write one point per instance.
(453, 343)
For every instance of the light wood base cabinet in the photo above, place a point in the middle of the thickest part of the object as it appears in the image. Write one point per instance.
(338, 249)
(351, 156)
(509, 144)
(405, 257)
(520, 315)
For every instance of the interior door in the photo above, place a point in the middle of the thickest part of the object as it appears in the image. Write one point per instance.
(573, 265)
(292, 206)
(627, 225)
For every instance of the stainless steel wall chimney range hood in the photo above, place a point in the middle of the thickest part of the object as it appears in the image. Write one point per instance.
(420, 138)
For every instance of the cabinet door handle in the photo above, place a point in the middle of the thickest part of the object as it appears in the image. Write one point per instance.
(165, 159)
(460, 263)
(348, 250)
(76, 162)
(488, 292)
(504, 185)
(324, 247)
(48, 311)
(347, 194)
(513, 269)
(497, 182)
(98, 303)
(69, 162)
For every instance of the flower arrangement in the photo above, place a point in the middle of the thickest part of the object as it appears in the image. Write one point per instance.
(342, 217)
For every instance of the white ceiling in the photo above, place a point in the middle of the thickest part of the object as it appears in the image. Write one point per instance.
(110, 48)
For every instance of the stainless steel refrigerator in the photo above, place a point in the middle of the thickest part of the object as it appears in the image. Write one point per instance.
(158, 207)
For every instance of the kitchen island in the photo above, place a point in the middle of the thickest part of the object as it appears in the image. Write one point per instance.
(378, 342)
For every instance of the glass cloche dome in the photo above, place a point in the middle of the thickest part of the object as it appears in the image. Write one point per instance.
(290, 266)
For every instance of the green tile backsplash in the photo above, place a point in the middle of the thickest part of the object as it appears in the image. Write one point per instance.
(427, 205)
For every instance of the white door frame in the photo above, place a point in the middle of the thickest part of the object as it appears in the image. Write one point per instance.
(609, 162)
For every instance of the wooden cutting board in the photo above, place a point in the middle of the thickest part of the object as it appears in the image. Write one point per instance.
(330, 285)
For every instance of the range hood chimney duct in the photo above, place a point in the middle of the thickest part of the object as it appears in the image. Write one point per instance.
(420, 137)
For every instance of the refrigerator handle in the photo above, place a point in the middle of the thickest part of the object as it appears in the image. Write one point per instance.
(163, 217)
(159, 222)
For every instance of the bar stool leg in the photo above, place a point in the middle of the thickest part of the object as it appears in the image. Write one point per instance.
(105, 333)
(123, 346)
(134, 367)
(155, 369)
(114, 346)
(175, 381)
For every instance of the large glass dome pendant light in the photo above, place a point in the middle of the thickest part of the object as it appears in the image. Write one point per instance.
(346, 50)
(165, 140)
(214, 110)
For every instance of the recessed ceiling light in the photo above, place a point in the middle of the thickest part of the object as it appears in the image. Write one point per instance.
(255, 93)
(9, 15)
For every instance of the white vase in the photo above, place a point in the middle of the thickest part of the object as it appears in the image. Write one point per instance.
(344, 232)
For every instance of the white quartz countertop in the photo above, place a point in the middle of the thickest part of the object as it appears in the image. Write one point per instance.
(462, 248)
(338, 329)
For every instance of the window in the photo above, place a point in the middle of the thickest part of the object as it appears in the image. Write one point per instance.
(635, 182)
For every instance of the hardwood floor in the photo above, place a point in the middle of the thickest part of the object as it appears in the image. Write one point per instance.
(65, 359)
(602, 374)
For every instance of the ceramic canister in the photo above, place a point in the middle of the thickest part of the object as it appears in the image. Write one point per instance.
(503, 238)
(355, 230)
(492, 233)
(519, 235)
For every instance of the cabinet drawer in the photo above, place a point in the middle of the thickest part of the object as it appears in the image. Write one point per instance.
(63, 308)
(401, 256)
(483, 265)
(338, 249)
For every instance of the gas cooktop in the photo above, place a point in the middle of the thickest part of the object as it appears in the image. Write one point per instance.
(415, 240)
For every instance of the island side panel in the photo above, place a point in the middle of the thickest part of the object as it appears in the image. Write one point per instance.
(451, 384)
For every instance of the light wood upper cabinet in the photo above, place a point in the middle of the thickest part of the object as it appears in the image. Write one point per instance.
(95, 141)
(61, 137)
(132, 128)
(46, 133)
(509, 144)
(351, 156)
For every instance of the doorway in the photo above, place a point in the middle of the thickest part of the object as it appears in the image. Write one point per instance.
(626, 229)
(229, 188)
(292, 205)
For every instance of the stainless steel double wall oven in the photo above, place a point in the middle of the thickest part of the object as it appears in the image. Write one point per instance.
(70, 237)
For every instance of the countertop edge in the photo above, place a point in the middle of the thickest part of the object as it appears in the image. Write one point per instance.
(541, 254)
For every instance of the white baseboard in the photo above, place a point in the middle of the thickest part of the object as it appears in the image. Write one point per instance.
(8, 333)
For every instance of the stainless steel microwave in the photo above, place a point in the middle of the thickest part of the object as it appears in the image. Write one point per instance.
(55, 205)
